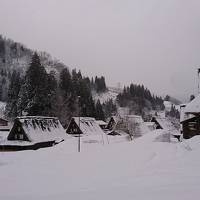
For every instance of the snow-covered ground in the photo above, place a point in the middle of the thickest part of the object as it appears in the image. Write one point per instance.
(141, 169)
(105, 96)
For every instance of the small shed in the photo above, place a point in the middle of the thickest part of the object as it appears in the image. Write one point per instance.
(84, 125)
(37, 129)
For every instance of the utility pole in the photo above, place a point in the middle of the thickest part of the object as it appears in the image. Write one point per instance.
(79, 125)
(198, 79)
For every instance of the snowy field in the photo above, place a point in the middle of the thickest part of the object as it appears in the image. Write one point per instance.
(145, 168)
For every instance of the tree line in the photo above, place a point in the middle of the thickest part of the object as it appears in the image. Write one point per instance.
(139, 99)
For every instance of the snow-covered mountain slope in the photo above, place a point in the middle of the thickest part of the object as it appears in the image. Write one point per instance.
(142, 169)
(15, 56)
(111, 93)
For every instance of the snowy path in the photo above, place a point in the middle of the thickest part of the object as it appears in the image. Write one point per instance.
(141, 169)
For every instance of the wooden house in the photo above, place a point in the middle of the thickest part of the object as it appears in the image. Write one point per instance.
(191, 127)
(83, 125)
(191, 120)
(37, 130)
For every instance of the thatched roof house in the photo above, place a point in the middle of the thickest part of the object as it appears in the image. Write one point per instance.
(88, 126)
(37, 129)
(161, 122)
(191, 122)
(193, 107)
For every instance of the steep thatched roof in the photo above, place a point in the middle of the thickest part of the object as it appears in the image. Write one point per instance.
(39, 128)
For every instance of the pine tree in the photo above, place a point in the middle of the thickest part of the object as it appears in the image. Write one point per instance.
(109, 108)
(139, 99)
(65, 83)
(99, 111)
(13, 92)
(52, 94)
(34, 94)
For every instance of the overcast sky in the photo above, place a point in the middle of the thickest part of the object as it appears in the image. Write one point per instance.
(153, 42)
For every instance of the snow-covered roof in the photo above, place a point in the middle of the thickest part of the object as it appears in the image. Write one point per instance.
(164, 123)
(135, 118)
(149, 123)
(167, 124)
(88, 125)
(101, 122)
(194, 106)
(41, 129)
(183, 115)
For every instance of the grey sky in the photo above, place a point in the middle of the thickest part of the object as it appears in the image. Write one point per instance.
(154, 42)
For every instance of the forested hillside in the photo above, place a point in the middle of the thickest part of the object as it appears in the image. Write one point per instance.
(16, 57)
(139, 99)
(32, 83)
